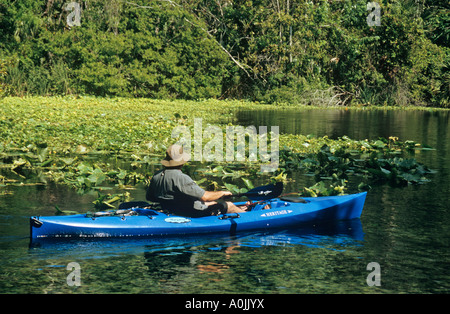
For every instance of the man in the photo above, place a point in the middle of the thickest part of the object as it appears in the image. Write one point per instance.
(180, 195)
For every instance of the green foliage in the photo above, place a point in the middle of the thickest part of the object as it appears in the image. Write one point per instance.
(323, 189)
(378, 161)
(119, 49)
(310, 52)
(99, 144)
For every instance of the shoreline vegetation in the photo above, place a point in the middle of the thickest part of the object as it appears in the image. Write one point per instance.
(299, 52)
(94, 144)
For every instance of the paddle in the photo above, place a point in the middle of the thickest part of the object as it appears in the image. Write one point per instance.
(261, 193)
(133, 204)
(265, 192)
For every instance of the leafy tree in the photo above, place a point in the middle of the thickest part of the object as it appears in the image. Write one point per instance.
(267, 50)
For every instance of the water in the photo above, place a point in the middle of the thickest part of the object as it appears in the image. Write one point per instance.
(405, 230)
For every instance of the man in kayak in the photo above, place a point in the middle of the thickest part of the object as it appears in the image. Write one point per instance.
(178, 194)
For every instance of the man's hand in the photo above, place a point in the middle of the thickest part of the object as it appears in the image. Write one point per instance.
(214, 195)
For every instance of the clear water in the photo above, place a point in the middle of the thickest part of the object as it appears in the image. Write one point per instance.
(405, 230)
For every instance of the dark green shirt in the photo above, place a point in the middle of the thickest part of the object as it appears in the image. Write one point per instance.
(175, 191)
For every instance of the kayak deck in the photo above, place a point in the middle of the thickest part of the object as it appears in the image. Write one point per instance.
(283, 213)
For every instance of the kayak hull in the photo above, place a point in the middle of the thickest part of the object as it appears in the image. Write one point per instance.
(150, 223)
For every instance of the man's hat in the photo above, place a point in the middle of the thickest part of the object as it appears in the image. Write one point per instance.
(175, 156)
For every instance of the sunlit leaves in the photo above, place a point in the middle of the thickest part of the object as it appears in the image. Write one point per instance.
(95, 143)
(382, 160)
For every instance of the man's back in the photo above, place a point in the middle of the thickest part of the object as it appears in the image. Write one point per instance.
(175, 191)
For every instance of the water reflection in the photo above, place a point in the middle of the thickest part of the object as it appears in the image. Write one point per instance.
(339, 234)
(430, 128)
(195, 264)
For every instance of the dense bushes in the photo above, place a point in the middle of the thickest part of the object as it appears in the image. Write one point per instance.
(147, 53)
(274, 51)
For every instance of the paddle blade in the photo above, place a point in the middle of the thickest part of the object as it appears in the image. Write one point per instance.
(265, 192)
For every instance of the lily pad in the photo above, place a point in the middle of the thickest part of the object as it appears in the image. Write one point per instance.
(97, 177)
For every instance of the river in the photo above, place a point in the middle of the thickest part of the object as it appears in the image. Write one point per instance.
(405, 231)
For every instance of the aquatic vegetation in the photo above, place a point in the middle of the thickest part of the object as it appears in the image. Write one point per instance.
(322, 188)
(99, 143)
(382, 160)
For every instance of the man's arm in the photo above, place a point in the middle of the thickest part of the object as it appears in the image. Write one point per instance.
(213, 195)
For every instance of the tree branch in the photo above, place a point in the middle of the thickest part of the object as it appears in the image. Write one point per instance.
(223, 48)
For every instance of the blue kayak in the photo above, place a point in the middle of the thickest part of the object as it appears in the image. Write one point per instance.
(139, 222)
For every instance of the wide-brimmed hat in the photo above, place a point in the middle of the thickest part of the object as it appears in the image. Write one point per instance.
(175, 156)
